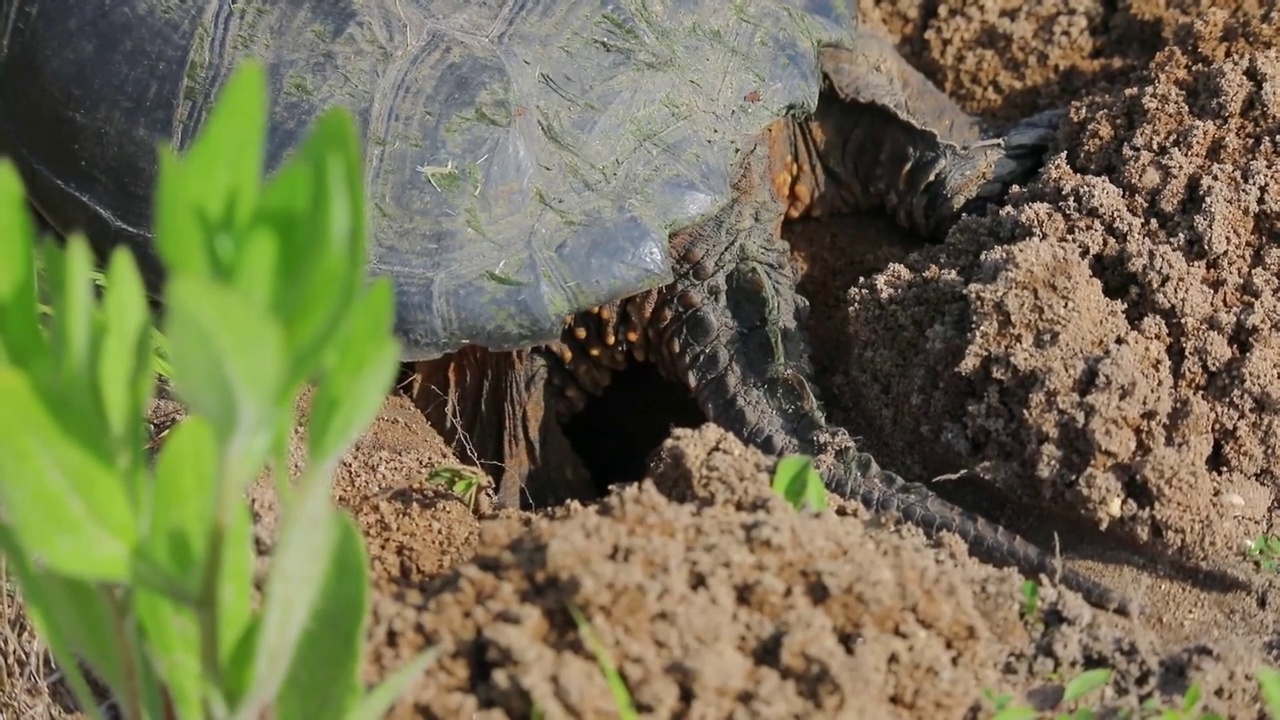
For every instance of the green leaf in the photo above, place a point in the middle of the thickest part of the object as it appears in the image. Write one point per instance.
(21, 339)
(74, 305)
(1085, 683)
(67, 383)
(84, 619)
(1269, 685)
(65, 506)
(42, 609)
(254, 275)
(185, 496)
(375, 704)
(238, 664)
(293, 589)
(327, 690)
(617, 686)
(228, 360)
(187, 492)
(160, 354)
(366, 358)
(172, 632)
(1192, 698)
(795, 479)
(178, 228)
(1030, 598)
(315, 205)
(206, 199)
(124, 379)
(235, 584)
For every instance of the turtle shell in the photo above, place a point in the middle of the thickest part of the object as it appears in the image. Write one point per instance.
(526, 159)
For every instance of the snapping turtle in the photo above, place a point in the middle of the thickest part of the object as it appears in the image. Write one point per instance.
(558, 189)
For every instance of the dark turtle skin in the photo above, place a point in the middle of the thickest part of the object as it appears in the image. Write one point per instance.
(558, 189)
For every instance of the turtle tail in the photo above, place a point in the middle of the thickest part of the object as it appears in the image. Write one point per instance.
(857, 476)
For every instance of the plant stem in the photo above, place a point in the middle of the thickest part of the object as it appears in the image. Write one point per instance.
(207, 605)
(125, 640)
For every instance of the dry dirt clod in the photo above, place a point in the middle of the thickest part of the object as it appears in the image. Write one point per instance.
(722, 600)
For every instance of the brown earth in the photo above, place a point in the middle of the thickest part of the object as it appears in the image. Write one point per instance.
(1106, 342)
(1101, 348)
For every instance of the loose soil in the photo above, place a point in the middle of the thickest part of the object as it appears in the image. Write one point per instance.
(1102, 348)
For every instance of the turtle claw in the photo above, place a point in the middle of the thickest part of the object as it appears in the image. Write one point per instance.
(1010, 159)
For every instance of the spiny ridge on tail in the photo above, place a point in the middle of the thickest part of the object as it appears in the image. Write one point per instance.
(860, 478)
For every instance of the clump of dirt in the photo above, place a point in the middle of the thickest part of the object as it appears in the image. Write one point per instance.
(1006, 59)
(713, 597)
(1107, 340)
(412, 527)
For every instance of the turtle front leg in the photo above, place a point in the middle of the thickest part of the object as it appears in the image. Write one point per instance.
(884, 137)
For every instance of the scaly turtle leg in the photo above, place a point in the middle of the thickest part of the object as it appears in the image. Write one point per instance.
(883, 136)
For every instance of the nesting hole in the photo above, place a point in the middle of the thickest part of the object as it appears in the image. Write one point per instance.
(617, 430)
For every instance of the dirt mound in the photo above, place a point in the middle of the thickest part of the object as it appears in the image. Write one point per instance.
(729, 602)
(1107, 340)
(714, 598)
(1005, 59)
(413, 527)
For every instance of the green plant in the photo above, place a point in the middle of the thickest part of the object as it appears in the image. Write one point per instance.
(1080, 686)
(1091, 680)
(1030, 598)
(795, 479)
(466, 484)
(617, 686)
(1264, 550)
(1184, 711)
(159, 343)
(1002, 703)
(1269, 686)
(145, 573)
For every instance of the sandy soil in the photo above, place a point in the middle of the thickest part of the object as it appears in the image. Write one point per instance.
(1106, 343)
(1102, 348)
